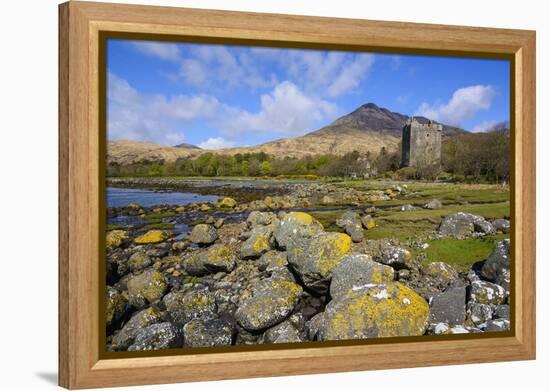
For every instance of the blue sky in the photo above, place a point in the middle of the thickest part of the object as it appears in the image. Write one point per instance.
(219, 96)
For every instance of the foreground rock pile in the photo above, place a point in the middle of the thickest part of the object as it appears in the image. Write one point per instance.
(281, 278)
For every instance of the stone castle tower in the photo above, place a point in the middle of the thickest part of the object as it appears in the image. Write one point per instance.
(421, 144)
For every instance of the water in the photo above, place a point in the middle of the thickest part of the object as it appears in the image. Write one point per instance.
(117, 197)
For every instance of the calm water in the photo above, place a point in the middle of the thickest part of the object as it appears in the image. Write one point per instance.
(117, 197)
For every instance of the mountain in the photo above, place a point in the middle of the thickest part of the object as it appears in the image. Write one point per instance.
(125, 152)
(366, 129)
(186, 145)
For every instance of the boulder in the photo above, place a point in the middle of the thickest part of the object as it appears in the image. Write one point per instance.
(115, 305)
(199, 333)
(271, 302)
(260, 218)
(294, 227)
(185, 306)
(218, 258)
(348, 218)
(146, 288)
(115, 238)
(502, 311)
(433, 204)
(138, 261)
(272, 259)
(396, 257)
(156, 337)
(259, 242)
(355, 231)
(479, 313)
(368, 222)
(219, 223)
(502, 225)
(386, 310)
(449, 307)
(356, 271)
(407, 208)
(285, 332)
(126, 336)
(316, 259)
(226, 203)
(153, 236)
(497, 267)
(461, 225)
(487, 293)
(203, 234)
(442, 272)
(497, 325)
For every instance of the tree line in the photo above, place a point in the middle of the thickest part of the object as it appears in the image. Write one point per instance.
(466, 157)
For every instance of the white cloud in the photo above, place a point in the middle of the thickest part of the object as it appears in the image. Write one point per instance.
(464, 105)
(162, 50)
(155, 118)
(216, 143)
(285, 110)
(484, 126)
(351, 75)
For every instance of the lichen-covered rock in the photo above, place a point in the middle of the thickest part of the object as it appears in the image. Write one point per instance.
(272, 301)
(203, 234)
(153, 236)
(502, 225)
(156, 337)
(316, 259)
(407, 208)
(479, 313)
(218, 258)
(260, 218)
(496, 325)
(199, 333)
(502, 311)
(355, 271)
(449, 307)
(442, 272)
(348, 218)
(116, 305)
(368, 222)
(259, 242)
(314, 325)
(497, 267)
(115, 238)
(139, 260)
(126, 336)
(396, 257)
(355, 231)
(146, 288)
(294, 227)
(387, 310)
(461, 225)
(288, 331)
(433, 204)
(487, 293)
(185, 306)
(272, 259)
(227, 203)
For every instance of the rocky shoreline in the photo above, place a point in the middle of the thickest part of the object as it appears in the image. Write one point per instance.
(259, 271)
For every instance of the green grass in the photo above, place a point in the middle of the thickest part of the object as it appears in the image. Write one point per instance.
(112, 227)
(461, 254)
(162, 226)
(156, 216)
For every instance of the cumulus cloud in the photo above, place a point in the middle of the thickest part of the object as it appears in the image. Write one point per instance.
(285, 110)
(162, 50)
(216, 143)
(464, 105)
(156, 118)
(485, 126)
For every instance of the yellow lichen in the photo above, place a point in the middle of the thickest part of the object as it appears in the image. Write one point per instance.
(153, 236)
(115, 238)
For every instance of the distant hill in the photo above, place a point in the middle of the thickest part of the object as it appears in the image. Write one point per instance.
(366, 129)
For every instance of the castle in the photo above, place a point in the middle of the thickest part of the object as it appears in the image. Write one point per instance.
(421, 144)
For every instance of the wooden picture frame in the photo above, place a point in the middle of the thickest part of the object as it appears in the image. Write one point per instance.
(81, 160)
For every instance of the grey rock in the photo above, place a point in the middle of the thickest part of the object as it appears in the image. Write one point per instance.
(479, 313)
(497, 325)
(502, 225)
(487, 293)
(407, 208)
(218, 258)
(260, 218)
(126, 336)
(203, 234)
(294, 227)
(433, 204)
(497, 267)
(272, 259)
(502, 311)
(200, 333)
(462, 225)
(355, 231)
(259, 242)
(356, 271)
(396, 257)
(156, 337)
(146, 288)
(348, 218)
(185, 306)
(449, 307)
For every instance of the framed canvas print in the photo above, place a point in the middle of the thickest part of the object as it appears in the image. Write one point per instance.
(247, 195)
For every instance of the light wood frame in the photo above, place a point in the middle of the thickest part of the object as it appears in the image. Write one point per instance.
(80, 162)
